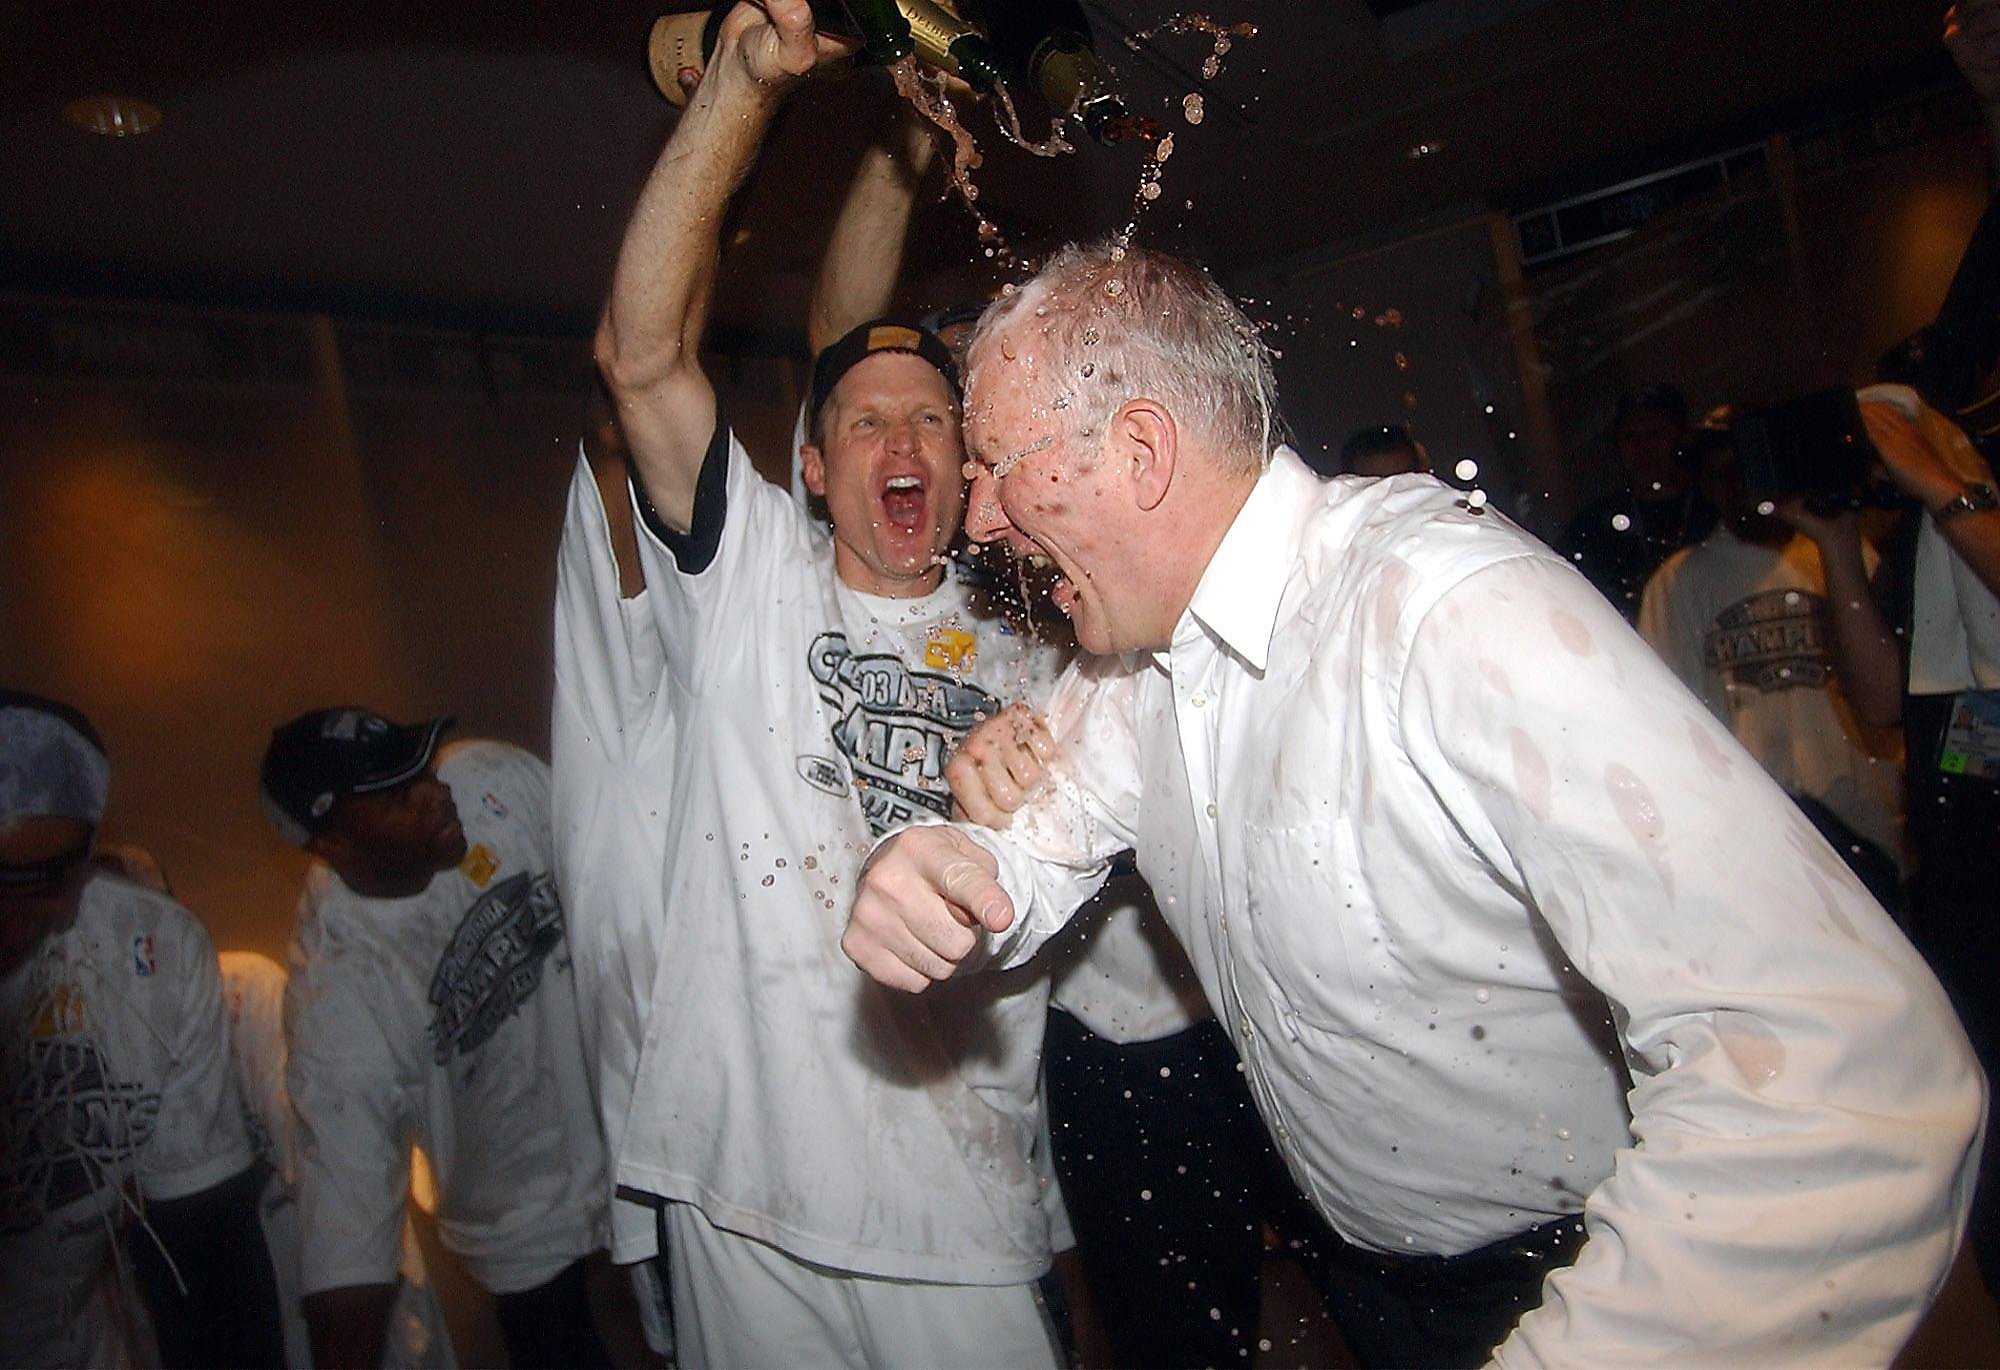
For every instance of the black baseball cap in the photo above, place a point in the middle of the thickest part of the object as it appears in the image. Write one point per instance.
(328, 754)
(951, 316)
(860, 343)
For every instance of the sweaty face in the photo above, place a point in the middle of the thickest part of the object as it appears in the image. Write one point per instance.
(53, 857)
(410, 830)
(1049, 497)
(888, 465)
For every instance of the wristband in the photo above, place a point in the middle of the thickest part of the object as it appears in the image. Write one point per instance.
(1972, 499)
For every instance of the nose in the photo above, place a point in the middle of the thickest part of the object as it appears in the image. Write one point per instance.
(985, 520)
(901, 437)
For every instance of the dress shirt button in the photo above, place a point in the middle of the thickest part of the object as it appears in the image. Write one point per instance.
(1198, 699)
(1211, 810)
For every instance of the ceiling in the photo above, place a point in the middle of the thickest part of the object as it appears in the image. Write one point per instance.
(471, 165)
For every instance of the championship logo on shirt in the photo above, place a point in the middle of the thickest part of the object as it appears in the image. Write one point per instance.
(493, 963)
(896, 727)
(1773, 640)
(67, 1128)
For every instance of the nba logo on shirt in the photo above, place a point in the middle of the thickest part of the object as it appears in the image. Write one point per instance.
(950, 649)
(492, 804)
(142, 955)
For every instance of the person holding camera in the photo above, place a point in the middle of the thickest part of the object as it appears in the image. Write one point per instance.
(1741, 617)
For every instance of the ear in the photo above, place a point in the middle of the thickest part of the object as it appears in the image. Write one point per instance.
(812, 469)
(1147, 437)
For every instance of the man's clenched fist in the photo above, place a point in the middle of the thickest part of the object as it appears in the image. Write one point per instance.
(926, 896)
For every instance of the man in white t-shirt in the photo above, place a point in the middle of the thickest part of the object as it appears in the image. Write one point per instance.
(1742, 617)
(120, 1121)
(253, 992)
(431, 1003)
(846, 1182)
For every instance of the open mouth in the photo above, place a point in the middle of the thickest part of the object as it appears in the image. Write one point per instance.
(903, 502)
(1042, 575)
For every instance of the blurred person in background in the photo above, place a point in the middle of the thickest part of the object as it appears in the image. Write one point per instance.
(1741, 617)
(431, 1004)
(128, 1181)
(1382, 450)
(1931, 661)
(1620, 539)
(253, 991)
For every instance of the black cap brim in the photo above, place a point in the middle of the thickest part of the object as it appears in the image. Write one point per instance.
(410, 760)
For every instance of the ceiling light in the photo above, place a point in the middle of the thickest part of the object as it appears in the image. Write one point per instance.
(114, 116)
(1419, 151)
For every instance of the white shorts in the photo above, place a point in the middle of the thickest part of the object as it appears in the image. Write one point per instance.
(743, 1303)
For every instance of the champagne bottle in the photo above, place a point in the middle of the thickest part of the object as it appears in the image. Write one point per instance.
(889, 31)
(1049, 43)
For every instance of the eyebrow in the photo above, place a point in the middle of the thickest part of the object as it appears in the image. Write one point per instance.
(1013, 459)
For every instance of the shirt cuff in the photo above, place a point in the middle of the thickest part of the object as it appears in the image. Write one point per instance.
(693, 551)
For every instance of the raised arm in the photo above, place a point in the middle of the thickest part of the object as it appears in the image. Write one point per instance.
(865, 255)
(648, 343)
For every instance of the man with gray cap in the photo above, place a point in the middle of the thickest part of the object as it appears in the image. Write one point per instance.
(431, 1004)
(119, 1115)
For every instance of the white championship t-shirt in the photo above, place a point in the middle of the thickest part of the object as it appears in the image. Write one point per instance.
(611, 743)
(1745, 628)
(115, 1089)
(447, 1019)
(780, 1091)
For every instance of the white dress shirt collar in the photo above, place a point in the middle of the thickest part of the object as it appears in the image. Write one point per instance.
(1238, 597)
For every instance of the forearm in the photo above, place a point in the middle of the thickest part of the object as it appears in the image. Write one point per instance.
(864, 257)
(349, 1327)
(1864, 649)
(1975, 537)
(648, 342)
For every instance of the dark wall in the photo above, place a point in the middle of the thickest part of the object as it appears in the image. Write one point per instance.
(192, 560)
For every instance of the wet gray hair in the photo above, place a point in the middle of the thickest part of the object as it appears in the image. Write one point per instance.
(1118, 322)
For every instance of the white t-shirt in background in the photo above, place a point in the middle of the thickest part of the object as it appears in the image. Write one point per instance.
(611, 744)
(447, 1019)
(115, 1089)
(1745, 628)
(254, 995)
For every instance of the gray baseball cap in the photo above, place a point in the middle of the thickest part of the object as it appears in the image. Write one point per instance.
(52, 761)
